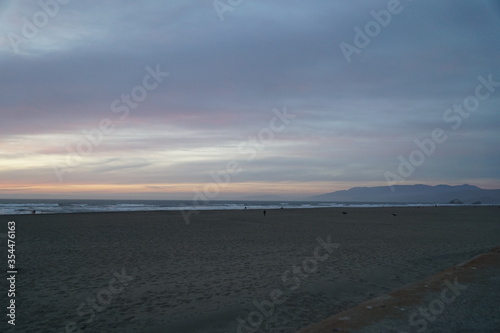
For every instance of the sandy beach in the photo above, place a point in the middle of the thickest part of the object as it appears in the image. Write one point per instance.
(228, 271)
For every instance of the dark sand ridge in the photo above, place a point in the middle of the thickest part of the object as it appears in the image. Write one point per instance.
(201, 277)
(463, 298)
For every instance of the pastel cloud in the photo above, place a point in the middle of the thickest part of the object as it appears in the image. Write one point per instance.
(352, 120)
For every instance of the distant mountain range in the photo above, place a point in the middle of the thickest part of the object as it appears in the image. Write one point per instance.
(414, 194)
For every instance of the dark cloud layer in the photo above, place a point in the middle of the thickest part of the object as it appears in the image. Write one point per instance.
(352, 119)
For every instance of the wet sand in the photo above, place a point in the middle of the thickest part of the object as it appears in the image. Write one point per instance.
(229, 271)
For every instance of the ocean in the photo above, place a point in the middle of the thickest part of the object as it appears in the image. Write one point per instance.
(39, 206)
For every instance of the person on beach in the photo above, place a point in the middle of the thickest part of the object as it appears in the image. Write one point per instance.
(264, 212)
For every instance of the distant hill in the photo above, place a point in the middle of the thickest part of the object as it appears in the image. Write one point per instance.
(414, 194)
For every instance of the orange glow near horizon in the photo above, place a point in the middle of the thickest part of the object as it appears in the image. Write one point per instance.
(249, 188)
(186, 190)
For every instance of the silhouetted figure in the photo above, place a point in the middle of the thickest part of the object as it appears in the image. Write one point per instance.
(344, 213)
(264, 212)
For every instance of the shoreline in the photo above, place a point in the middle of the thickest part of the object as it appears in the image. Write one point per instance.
(342, 208)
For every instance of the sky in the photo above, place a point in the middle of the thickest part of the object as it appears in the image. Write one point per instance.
(232, 98)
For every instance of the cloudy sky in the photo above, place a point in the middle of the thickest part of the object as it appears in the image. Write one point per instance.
(163, 99)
